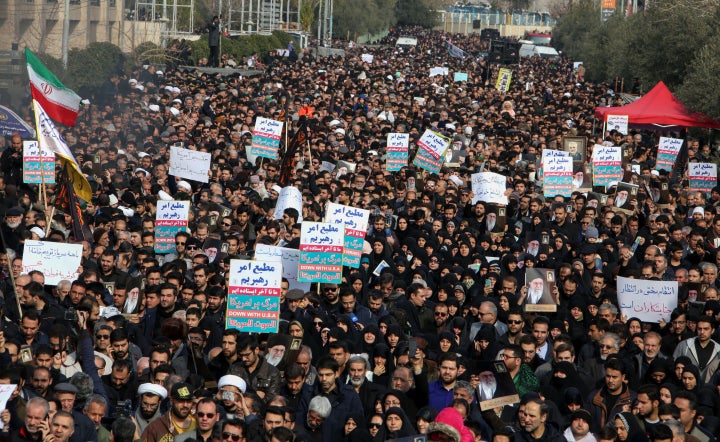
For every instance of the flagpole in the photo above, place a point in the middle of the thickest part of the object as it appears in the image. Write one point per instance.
(48, 216)
(12, 278)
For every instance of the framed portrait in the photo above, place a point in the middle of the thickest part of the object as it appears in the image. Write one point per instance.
(575, 146)
(540, 285)
(626, 196)
(496, 387)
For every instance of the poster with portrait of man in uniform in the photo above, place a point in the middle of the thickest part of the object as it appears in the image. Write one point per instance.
(539, 288)
(575, 146)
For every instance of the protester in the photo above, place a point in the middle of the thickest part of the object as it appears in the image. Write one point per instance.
(435, 315)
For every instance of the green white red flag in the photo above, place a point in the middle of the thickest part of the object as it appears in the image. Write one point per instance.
(61, 103)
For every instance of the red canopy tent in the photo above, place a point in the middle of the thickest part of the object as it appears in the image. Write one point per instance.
(659, 107)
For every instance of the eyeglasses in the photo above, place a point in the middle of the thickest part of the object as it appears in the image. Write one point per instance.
(192, 247)
(227, 224)
(317, 323)
(607, 346)
(371, 425)
(102, 336)
(179, 243)
(234, 437)
(441, 314)
(207, 415)
(515, 321)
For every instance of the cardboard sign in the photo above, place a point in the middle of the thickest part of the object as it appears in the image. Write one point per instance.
(321, 248)
(649, 301)
(289, 197)
(618, 123)
(489, 187)
(702, 176)
(37, 170)
(607, 165)
(254, 296)
(431, 148)
(503, 80)
(171, 217)
(557, 173)
(190, 164)
(290, 259)
(356, 222)
(57, 261)
(397, 151)
(266, 138)
(668, 151)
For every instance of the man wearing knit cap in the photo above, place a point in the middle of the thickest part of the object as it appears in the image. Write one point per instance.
(579, 429)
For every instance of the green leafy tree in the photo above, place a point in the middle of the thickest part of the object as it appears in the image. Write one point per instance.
(307, 14)
(416, 12)
(89, 68)
(700, 90)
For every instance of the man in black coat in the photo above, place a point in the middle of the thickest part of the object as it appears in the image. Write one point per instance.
(214, 42)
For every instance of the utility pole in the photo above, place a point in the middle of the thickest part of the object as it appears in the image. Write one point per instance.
(220, 30)
(66, 34)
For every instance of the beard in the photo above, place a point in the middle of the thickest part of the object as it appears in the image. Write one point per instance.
(619, 202)
(274, 359)
(148, 414)
(487, 389)
(534, 295)
(13, 226)
(357, 382)
(533, 250)
(490, 225)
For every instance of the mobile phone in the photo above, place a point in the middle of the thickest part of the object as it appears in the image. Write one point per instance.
(488, 283)
(228, 396)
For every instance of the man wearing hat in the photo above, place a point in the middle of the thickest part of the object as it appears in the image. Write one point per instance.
(579, 429)
(13, 228)
(149, 398)
(177, 420)
(84, 427)
(230, 395)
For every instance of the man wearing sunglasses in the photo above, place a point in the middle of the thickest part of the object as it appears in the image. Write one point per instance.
(233, 430)
(207, 415)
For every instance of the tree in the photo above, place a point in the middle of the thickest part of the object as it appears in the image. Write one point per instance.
(307, 14)
(699, 91)
(89, 68)
(416, 13)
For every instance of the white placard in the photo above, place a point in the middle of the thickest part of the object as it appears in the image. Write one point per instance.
(255, 277)
(438, 70)
(289, 258)
(618, 123)
(190, 164)
(6, 391)
(649, 301)
(367, 58)
(57, 261)
(489, 187)
(289, 196)
(351, 217)
(433, 142)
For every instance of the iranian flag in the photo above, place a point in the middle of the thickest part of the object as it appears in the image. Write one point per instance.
(60, 102)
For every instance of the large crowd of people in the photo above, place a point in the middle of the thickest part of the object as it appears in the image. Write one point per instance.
(436, 333)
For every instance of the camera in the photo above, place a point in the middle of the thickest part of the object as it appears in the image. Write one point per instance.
(71, 314)
(228, 396)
